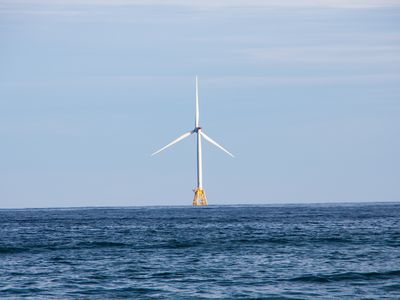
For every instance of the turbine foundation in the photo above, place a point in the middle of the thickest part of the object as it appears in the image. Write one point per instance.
(199, 198)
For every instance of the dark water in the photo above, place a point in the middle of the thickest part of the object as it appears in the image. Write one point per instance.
(348, 251)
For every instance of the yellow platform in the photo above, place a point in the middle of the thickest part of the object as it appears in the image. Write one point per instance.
(200, 198)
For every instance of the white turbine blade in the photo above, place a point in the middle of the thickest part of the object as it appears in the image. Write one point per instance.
(196, 123)
(183, 136)
(214, 143)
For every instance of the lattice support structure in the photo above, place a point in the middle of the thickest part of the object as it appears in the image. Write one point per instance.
(199, 198)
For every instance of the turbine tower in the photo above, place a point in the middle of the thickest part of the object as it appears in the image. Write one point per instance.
(199, 193)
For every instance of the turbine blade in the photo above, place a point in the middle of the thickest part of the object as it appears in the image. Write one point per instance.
(196, 123)
(214, 143)
(183, 136)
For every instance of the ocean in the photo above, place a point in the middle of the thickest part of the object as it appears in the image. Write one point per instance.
(325, 251)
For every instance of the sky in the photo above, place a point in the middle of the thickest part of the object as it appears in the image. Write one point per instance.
(305, 94)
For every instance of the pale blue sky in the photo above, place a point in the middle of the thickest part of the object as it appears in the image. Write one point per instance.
(306, 94)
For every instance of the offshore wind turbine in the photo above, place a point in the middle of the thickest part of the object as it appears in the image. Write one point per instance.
(199, 193)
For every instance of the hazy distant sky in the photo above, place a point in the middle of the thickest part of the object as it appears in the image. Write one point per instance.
(306, 94)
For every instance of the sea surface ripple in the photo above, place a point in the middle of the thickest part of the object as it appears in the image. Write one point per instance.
(336, 251)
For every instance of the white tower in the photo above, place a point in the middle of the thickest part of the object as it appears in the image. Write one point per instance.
(199, 193)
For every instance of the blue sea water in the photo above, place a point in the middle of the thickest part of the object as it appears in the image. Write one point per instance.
(341, 251)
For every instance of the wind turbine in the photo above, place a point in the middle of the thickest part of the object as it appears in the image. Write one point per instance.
(199, 193)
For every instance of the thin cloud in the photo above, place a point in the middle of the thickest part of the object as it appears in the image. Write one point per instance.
(238, 80)
(382, 78)
(221, 3)
(323, 55)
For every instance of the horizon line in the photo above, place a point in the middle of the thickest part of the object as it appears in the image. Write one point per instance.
(189, 205)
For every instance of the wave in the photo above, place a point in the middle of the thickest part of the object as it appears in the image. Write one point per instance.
(74, 246)
(11, 250)
(176, 244)
(347, 276)
(102, 244)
